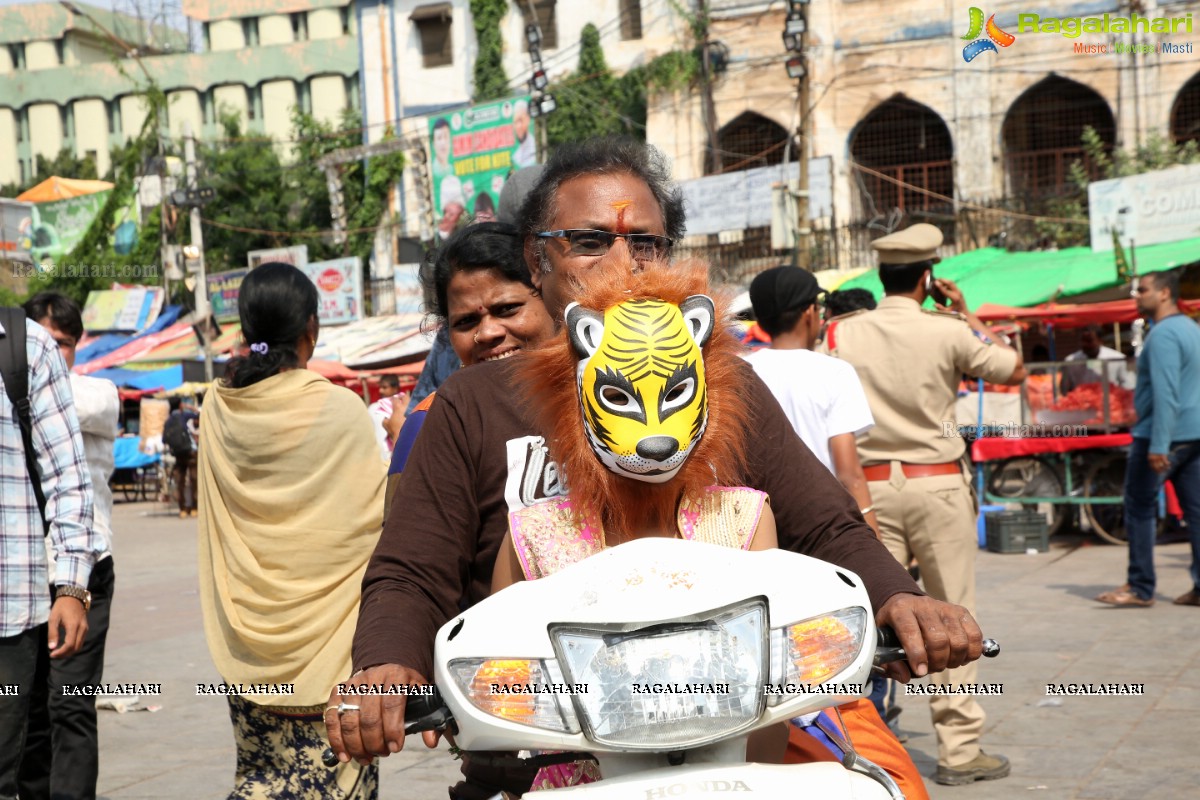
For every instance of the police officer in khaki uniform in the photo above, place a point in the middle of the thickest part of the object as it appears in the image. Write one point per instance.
(910, 361)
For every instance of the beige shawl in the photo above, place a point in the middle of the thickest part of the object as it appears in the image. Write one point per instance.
(291, 505)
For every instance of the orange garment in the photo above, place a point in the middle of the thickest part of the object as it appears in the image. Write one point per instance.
(872, 739)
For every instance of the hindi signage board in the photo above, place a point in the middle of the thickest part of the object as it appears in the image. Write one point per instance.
(130, 309)
(223, 290)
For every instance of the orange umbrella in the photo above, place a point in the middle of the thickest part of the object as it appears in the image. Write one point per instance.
(55, 188)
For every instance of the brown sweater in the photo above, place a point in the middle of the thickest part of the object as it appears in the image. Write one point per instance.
(478, 455)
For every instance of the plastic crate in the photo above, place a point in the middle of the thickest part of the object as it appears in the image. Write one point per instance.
(1017, 531)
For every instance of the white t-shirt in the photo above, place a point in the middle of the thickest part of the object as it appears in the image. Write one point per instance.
(1087, 370)
(821, 395)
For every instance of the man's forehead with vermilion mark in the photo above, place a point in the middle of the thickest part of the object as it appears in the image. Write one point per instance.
(620, 207)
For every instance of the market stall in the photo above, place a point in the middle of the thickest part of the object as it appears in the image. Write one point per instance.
(1067, 438)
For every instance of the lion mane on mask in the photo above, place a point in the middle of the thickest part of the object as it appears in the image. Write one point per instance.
(549, 377)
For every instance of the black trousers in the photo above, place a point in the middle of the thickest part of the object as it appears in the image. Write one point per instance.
(185, 481)
(24, 666)
(62, 759)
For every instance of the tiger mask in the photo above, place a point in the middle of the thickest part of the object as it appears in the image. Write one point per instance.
(641, 382)
(639, 423)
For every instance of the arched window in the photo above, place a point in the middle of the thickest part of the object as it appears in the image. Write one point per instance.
(908, 142)
(1043, 135)
(750, 140)
(1185, 113)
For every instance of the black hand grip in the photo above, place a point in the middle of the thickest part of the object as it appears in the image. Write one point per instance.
(887, 636)
(889, 648)
(422, 712)
(422, 705)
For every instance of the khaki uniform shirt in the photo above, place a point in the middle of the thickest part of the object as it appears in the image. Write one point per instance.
(910, 362)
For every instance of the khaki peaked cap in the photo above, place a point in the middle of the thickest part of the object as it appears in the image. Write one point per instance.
(915, 243)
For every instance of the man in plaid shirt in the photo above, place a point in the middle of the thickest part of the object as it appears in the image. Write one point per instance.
(26, 640)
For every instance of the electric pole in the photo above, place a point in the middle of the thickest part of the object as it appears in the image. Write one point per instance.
(203, 312)
(795, 39)
(716, 163)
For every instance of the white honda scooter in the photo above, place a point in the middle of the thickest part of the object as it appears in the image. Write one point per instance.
(658, 658)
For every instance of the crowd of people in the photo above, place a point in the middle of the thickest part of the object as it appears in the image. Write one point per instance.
(336, 539)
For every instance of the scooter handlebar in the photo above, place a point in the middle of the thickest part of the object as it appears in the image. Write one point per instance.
(889, 649)
(422, 712)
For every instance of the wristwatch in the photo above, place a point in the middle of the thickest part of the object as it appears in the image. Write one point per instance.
(82, 595)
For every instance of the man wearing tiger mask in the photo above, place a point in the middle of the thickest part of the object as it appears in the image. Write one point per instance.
(482, 455)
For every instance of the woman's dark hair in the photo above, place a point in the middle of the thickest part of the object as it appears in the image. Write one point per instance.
(844, 301)
(604, 156)
(485, 245)
(275, 303)
(62, 311)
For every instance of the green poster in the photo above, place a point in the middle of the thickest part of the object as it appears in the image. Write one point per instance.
(60, 224)
(473, 152)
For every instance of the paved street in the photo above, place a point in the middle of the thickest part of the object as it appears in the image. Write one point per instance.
(1038, 607)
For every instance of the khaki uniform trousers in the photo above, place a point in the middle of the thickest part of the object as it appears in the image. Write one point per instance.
(933, 519)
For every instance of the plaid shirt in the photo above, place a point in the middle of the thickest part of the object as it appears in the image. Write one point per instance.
(24, 580)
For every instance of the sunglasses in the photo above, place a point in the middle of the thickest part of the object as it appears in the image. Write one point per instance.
(643, 246)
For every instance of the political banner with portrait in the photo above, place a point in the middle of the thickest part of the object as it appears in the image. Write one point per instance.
(472, 153)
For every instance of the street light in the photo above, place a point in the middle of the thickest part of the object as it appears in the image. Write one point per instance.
(533, 36)
(539, 81)
(794, 28)
(795, 67)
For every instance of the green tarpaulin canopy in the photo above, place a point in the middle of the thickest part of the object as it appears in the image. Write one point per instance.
(992, 275)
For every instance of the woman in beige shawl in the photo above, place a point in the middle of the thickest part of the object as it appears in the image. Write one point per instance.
(291, 505)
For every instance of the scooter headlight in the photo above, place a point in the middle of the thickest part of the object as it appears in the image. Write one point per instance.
(668, 686)
(527, 691)
(805, 655)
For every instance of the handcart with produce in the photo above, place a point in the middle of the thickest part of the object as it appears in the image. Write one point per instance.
(1064, 442)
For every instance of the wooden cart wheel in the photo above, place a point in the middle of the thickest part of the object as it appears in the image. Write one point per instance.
(1106, 478)
(1031, 476)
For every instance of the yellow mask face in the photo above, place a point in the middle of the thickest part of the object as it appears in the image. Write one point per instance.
(641, 382)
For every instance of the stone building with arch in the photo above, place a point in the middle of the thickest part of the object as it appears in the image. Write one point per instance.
(893, 99)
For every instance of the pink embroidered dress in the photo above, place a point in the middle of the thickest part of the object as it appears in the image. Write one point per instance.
(546, 539)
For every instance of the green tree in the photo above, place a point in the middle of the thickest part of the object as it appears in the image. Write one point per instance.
(77, 275)
(254, 191)
(366, 185)
(592, 101)
(490, 81)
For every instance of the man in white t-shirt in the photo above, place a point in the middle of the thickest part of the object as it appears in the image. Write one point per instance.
(1086, 364)
(821, 395)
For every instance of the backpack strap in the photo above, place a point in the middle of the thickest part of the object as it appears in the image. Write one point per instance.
(14, 369)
